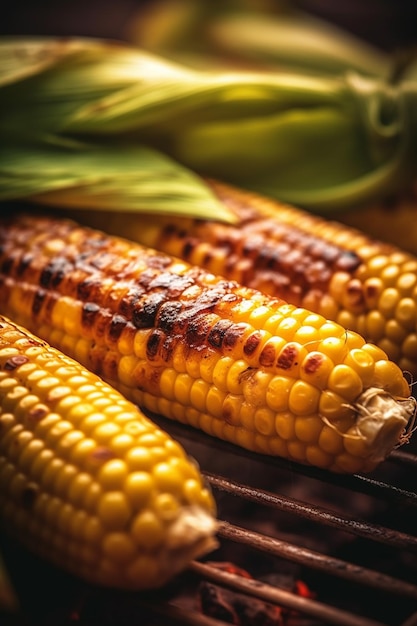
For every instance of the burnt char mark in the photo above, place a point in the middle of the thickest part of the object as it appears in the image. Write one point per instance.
(24, 263)
(313, 363)
(146, 310)
(38, 301)
(153, 344)
(287, 357)
(252, 343)
(168, 315)
(54, 272)
(197, 330)
(89, 314)
(89, 288)
(117, 326)
(216, 335)
(233, 335)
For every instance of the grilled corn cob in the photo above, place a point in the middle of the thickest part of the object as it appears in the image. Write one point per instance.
(88, 481)
(365, 285)
(186, 344)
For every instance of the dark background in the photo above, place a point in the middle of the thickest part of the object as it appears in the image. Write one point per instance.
(388, 24)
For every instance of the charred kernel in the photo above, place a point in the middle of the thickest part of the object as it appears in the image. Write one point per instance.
(15, 361)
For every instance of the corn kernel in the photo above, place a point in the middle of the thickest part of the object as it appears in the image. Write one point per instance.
(114, 510)
(147, 529)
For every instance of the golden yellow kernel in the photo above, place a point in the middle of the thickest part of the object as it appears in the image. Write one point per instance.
(278, 392)
(374, 351)
(207, 365)
(78, 486)
(333, 407)
(297, 451)
(77, 409)
(345, 382)
(42, 459)
(192, 364)
(126, 369)
(91, 497)
(166, 506)
(105, 431)
(316, 456)
(391, 349)
(406, 283)
(191, 489)
(69, 439)
(388, 376)
(395, 332)
(13, 396)
(347, 463)
(375, 326)
(50, 472)
(308, 428)
(29, 453)
(135, 428)
(362, 363)
(82, 451)
(121, 443)
(119, 547)
(198, 393)
(8, 383)
(63, 478)
(91, 421)
(388, 302)
(138, 487)
(287, 327)
(179, 359)
(139, 459)
(167, 382)
(232, 409)
(221, 371)
(114, 511)
(147, 530)
(409, 346)
(56, 431)
(112, 474)
(234, 375)
(215, 400)
(285, 425)
(272, 321)
(406, 313)
(264, 421)
(167, 477)
(304, 398)
(330, 440)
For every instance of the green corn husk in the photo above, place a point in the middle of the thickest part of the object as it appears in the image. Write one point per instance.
(88, 122)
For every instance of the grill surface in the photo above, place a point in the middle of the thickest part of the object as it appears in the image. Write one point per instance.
(351, 539)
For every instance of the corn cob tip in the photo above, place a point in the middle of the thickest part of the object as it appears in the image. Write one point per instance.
(383, 422)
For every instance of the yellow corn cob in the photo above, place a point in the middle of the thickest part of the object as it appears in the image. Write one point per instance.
(86, 480)
(190, 346)
(364, 285)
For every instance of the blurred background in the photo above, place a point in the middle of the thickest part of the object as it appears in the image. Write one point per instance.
(387, 24)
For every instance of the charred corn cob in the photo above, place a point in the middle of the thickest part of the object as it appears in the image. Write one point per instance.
(88, 481)
(365, 285)
(186, 344)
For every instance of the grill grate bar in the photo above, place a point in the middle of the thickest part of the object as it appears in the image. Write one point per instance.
(325, 612)
(312, 512)
(317, 560)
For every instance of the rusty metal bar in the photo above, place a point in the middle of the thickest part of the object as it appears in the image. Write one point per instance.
(314, 513)
(317, 560)
(281, 597)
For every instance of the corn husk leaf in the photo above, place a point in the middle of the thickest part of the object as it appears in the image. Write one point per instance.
(316, 141)
(122, 178)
